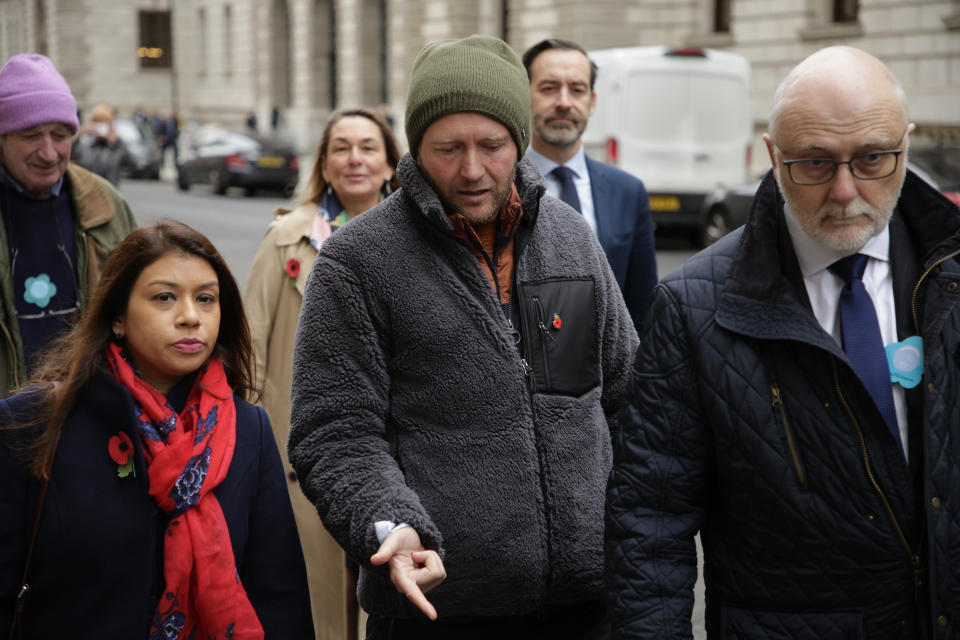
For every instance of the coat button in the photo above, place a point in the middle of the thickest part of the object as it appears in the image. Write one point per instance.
(293, 476)
(942, 621)
(935, 502)
(952, 287)
(931, 388)
(871, 517)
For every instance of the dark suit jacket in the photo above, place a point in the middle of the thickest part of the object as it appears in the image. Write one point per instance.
(97, 564)
(625, 231)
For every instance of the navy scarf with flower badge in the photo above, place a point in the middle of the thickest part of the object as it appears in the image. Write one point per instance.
(188, 454)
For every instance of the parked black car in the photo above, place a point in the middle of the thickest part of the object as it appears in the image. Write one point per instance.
(726, 209)
(224, 159)
(143, 158)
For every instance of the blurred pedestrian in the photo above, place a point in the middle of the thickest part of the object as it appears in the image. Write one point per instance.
(60, 221)
(158, 126)
(461, 348)
(152, 499)
(777, 406)
(171, 135)
(613, 202)
(97, 146)
(354, 168)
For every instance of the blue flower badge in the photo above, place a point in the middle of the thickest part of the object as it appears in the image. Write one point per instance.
(39, 290)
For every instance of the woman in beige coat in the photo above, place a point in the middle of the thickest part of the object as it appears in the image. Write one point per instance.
(353, 170)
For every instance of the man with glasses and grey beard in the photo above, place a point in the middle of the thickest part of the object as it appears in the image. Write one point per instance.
(795, 395)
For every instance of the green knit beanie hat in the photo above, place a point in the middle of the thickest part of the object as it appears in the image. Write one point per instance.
(481, 74)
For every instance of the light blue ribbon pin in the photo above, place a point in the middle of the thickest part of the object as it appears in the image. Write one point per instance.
(906, 361)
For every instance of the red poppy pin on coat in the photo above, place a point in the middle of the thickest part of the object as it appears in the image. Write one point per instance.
(293, 270)
(120, 448)
(556, 322)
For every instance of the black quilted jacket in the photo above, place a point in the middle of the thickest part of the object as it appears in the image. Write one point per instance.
(748, 424)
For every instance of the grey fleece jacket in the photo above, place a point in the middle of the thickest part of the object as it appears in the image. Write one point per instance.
(415, 400)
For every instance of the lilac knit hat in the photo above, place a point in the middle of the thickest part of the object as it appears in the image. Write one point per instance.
(33, 92)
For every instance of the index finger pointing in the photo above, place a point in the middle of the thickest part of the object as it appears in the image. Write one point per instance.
(417, 598)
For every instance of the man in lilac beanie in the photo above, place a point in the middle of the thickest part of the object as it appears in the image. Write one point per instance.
(60, 221)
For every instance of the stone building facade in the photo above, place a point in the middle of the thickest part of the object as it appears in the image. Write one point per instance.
(225, 58)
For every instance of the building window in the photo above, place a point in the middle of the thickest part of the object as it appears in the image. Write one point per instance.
(281, 88)
(845, 10)
(323, 88)
(952, 20)
(332, 55)
(505, 20)
(831, 20)
(383, 61)
(155, 50)
(227, 41)
(201, 42)
(40, 27)
(721, 16)
(373, 56)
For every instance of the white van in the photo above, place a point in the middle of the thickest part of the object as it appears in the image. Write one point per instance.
(679, 119)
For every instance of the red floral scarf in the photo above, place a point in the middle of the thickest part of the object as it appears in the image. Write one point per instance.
(188, 454)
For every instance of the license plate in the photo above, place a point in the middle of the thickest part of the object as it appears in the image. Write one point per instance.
(664, 203)
(270, 162)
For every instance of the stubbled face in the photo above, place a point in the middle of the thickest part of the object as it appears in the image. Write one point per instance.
(172, 319)
(37, 157)
(561, 100)
(839, 115)
(470, 160)
(356, 160)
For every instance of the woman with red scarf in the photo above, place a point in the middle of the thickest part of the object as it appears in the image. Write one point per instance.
(142, 497)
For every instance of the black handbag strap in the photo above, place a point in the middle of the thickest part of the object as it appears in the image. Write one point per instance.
(15, 627)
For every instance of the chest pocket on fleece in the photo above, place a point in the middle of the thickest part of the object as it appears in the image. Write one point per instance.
(560, 330)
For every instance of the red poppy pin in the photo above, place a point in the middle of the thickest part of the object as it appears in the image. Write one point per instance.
(556, 322)
(121, 451)
(293, 270)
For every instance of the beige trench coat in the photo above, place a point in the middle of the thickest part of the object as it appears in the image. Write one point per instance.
(273, 306)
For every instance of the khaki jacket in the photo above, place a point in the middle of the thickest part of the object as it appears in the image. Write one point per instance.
(273, 308)
(104, 219)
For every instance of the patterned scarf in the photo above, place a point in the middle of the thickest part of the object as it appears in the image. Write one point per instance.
(330, 217)
(188, 454)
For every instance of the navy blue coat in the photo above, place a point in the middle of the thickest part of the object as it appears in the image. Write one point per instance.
(749, 424)
(97, 565)
(625, 231)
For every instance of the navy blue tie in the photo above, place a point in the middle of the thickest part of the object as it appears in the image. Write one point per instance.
(568, 190)
(861, 336)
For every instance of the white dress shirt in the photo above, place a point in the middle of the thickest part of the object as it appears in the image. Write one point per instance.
(823, 289)
(581, 180)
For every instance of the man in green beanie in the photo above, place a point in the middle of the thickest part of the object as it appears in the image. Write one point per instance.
(454, 430)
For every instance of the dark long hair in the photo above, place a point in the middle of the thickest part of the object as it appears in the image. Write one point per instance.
(73, 360)
(318, 185)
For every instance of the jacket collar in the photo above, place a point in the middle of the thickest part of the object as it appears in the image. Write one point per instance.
(764, 296)
(528, 181)
(93, 204)
(294, 226)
